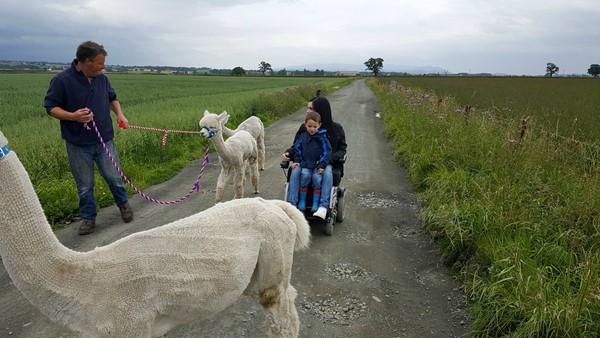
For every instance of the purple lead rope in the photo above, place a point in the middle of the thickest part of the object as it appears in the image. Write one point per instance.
(196, 186)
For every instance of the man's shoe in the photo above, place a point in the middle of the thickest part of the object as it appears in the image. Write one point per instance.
(126, 213)
(321, 213)
(87, 226)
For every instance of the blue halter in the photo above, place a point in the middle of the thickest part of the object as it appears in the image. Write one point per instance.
(211, 132)
(4, 151)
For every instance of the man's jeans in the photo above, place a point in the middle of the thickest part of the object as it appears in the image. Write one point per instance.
(81, 160)
(326, 185)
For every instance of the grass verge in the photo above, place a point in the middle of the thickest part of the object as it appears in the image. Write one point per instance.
(514, 208)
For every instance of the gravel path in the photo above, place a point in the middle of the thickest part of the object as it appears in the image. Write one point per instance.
(379, 275)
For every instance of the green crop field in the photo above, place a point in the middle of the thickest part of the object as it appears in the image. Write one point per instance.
(567, 106)
(157, 101)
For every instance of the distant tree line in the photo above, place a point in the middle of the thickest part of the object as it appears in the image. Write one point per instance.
(264, 69)
(552, 69)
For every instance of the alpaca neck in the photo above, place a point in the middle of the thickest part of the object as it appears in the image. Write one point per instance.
(228, 132)
(220, 145)
(30, 251)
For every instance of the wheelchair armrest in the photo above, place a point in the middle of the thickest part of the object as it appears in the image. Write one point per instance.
(341, 160)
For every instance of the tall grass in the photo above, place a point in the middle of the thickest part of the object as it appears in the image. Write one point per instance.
(515, 209)
(164, 102)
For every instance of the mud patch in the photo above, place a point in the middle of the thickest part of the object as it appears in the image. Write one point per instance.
(402, 232)
(330, 311)
(349, 272)
(358, 237)
(376, 200)
(379, 200)
(354, 179)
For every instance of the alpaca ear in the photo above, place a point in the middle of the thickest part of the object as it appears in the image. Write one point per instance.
(224, 117)
(206, 112)
(3, 140)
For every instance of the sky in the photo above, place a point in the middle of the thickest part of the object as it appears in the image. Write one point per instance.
(517, 37)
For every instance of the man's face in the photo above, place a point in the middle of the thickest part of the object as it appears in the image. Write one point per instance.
(93, 68)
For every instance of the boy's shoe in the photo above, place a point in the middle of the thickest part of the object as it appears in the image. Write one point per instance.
(321, 213)
(126, 213)
(87, 226)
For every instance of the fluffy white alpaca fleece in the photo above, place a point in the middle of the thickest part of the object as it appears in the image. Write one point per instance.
(256, 128)
(145, 284)
(239, 151)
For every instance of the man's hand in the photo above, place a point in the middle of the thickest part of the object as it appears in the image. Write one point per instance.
(122, 121)
(83, 115)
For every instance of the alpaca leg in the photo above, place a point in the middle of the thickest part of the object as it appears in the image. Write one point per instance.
(123, 325)
(254, 174)
(282, 318)
(238, 181)
(260, 142)
(223, 178)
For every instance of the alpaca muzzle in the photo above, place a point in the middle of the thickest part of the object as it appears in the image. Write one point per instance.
(4, 151)
(207, 132)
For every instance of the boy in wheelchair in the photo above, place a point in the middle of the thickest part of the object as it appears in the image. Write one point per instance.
(311, 157)
(332, 194)
(335, 204)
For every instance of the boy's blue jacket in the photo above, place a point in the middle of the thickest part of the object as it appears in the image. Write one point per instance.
(313, 151)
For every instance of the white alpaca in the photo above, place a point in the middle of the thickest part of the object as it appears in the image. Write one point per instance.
(256, 128)
(147, 283)
(235, 154)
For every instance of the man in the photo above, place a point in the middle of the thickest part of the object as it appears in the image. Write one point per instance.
(75, 97)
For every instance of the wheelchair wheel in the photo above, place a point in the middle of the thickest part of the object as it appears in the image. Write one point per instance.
(286, 191)
(329, 226)
(341, 205)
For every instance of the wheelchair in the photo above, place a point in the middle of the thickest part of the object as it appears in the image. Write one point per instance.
(335, 211)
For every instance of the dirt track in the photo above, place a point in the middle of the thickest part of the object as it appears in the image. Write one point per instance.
(377, 276)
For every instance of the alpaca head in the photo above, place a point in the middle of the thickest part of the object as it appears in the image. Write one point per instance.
(211, 123)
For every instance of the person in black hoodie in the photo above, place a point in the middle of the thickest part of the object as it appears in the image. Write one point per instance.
(311, 157)
(337, 138)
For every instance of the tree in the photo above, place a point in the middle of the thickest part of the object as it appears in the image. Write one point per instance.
(551, 69)
(594, 70)
(264, 67)
(238, 71)
(374, 65)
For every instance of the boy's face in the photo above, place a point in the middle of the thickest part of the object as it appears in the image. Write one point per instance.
(312, 126)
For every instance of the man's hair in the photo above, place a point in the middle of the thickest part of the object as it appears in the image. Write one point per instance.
(313, 115)
(89, 50)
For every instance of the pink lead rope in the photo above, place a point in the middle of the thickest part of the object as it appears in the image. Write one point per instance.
(164, 131)
(196, 186)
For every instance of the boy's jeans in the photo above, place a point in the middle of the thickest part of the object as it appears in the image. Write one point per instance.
(81, 160)
(326, 185)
